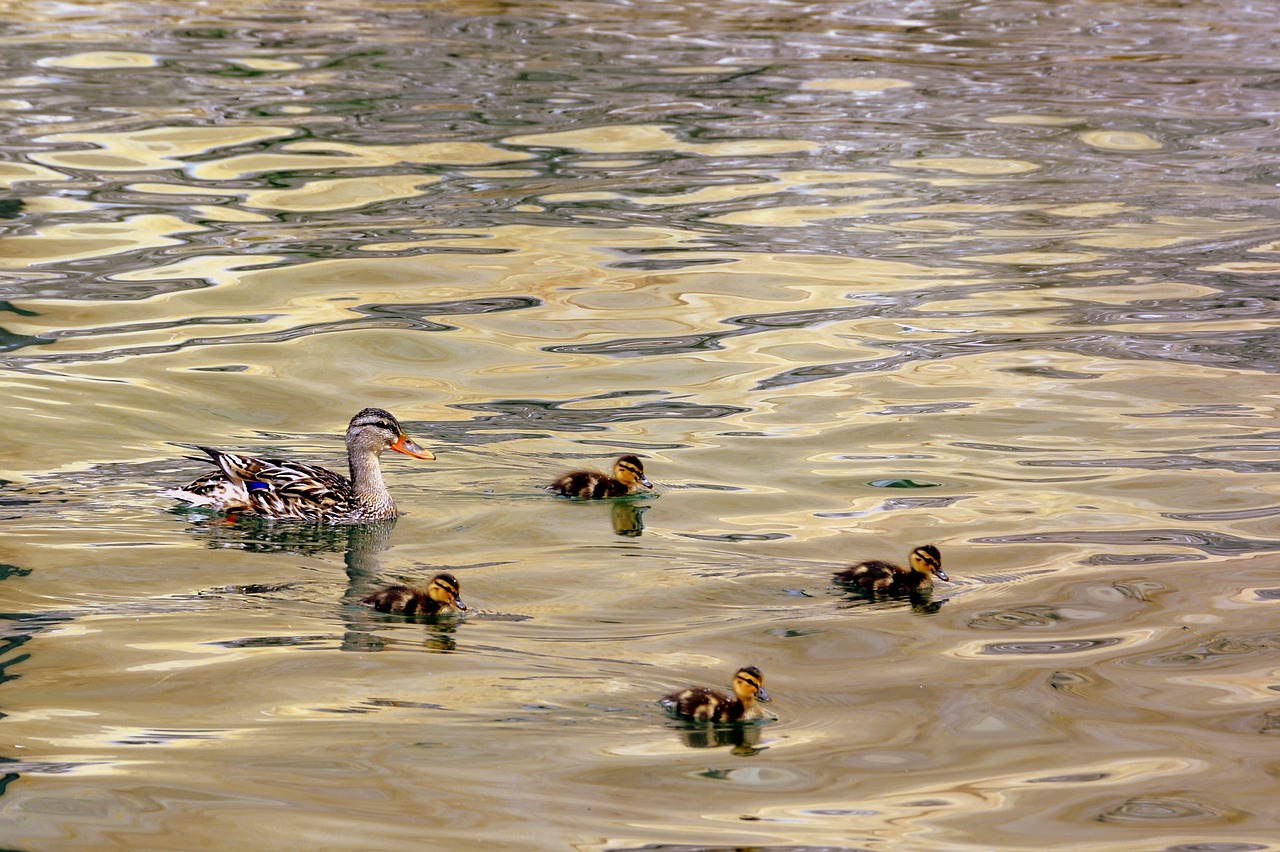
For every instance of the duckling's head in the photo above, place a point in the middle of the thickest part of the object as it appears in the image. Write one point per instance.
(629, 470)
(443, 589)
(928, 560)
(374, 430)
(748, 685)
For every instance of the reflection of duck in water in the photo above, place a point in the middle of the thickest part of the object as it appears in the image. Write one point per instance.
(878, 577)
(704, 704)
(286, 490)
(744, 739)
(441, 594)
(628, 472)
(627, 518)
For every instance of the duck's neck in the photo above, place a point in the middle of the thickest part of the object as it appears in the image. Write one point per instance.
(366, 478)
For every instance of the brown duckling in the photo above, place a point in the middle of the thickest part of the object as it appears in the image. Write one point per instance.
(704, 704)
(441, 593)
(890, 578)
(628, 472)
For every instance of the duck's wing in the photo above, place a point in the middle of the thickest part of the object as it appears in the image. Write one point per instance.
(874, 575)
(280, 488)
(700, 703)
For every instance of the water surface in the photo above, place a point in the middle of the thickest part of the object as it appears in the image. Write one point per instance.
(849, 277)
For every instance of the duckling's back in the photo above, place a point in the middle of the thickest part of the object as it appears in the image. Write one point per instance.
(703, 704)
(402, 600)
(878, 576)
(588, 485)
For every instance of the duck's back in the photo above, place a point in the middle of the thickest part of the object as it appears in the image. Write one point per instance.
(878, 576)
(588, 485)
(703, 704)
(272, 488)
(402, 600)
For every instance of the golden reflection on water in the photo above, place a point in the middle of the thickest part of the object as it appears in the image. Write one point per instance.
(829, 344)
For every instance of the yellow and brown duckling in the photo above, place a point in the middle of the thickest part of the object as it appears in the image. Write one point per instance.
(877, 576)
(441, 594)
(628, 472)
(293, 491)
(704, 704)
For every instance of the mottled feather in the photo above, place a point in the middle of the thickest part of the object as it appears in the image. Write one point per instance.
(288, 490)
(879, 576)
(440, 594)
(704, 704)
(628, 472)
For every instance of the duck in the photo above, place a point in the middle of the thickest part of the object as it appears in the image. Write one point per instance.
(293, 491)
(705, 704)
(628, 472)
(440, 594)
(878, 576)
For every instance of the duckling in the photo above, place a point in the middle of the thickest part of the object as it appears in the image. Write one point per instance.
(441, 593)
(890, 578)
(704, 704)
(628, 472)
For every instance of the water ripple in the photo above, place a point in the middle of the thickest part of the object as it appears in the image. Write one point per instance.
(1062, 646)
(1200, 652)
(1215, 543)
(1160, 810)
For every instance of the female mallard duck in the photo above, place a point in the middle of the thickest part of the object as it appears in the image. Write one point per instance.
(704, 704)
(628, 472)
(287, 490)
(891, 578)
(441, 593)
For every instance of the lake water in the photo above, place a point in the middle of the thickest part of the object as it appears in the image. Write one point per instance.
(850, 277)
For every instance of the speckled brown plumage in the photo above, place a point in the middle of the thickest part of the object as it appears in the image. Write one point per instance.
(628, 472)
(704, 704)
(293, 491)
(889, 578)
(440, 594)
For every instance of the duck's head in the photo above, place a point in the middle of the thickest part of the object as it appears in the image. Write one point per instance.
(629, 470)
(443, 589)
(374, 430)
(748, 685)
(928, 560)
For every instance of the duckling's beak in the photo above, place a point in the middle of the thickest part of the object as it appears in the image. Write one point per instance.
(644, 480)
(409, 448)
(941, 575)
(457, 602)
(761, 695)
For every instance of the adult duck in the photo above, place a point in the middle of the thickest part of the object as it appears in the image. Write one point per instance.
(294, 491)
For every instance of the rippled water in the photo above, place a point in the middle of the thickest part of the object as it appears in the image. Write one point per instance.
(850, 278)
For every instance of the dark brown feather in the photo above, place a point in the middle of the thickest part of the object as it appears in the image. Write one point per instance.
(704, 704)
(875, 575)
(404, 601)
(589, 485)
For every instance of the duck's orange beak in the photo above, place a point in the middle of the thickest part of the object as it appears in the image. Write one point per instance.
(409, 448)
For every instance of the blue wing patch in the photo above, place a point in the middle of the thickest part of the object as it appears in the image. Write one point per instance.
(254, 485)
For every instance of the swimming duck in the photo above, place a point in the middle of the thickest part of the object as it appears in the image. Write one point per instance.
(293, 491)
(704, 704)
(441, 593)
(628, 472)
(890, 578)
